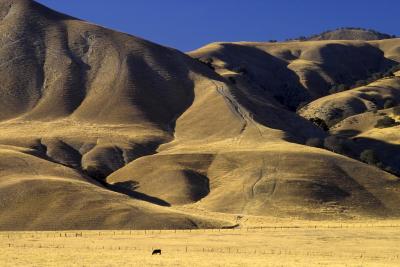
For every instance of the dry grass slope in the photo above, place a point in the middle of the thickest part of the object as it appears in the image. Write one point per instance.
(102, 130)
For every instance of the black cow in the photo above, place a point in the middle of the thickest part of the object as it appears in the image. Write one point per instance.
(156, 251)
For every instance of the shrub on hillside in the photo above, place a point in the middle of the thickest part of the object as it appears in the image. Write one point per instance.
(388, 74)
(315, 142)
(338, 88)
(377, 76)
(385, 122)
(335, 144)
(391, 170)
(389, 103)
(208, 62)
(302, 105)
(374, 109)
(368, 156)
(360, 83)
(320, 123)
(395, 68)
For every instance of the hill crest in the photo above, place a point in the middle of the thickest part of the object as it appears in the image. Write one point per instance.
(347, 33)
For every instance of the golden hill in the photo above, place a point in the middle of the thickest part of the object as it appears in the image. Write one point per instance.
(336, 107)
(350, 34)
(100, 129)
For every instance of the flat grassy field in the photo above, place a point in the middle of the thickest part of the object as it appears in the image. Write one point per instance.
(351, 244)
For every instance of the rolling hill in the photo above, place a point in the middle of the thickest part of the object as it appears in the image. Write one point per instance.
(350, 33)
(101, 129)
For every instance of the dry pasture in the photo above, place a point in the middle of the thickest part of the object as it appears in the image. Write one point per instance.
(322, 244)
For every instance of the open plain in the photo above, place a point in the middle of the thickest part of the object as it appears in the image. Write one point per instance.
(296, 243)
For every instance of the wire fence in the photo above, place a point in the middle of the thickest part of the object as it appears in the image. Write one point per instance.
(209, 250)
(88, 233)
(80, 242)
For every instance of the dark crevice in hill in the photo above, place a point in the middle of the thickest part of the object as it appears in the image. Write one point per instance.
(79, 70)
(199, 184)
(57, 151)
(178, 179)
(99, 170)
(175, 99)
(128, 188)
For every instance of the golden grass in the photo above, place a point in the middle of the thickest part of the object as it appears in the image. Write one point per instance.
(102, 107)
(307, 244)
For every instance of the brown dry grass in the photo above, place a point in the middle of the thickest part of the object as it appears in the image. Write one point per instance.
(304, 244)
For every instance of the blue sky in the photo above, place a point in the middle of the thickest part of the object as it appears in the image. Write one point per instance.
(189, 24)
